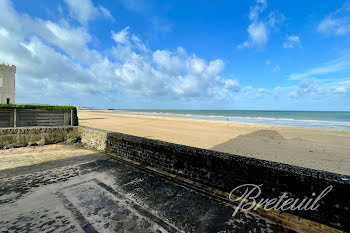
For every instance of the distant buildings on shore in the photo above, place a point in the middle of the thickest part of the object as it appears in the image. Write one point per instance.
(7, 83)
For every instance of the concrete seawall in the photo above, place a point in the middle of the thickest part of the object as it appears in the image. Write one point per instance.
(226, 171)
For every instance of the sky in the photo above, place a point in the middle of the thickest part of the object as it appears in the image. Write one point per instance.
(167, 54)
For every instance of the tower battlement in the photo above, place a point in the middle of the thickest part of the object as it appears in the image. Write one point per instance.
(7, 67)
(7, 83)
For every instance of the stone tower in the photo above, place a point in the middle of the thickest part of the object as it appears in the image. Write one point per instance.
(7, 83)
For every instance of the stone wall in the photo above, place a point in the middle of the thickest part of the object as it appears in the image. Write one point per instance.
(24, 136)
(226, 171)
(93, 138)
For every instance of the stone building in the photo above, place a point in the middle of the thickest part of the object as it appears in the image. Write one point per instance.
(7, 83)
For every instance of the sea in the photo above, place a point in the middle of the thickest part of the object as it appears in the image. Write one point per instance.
(320, 119)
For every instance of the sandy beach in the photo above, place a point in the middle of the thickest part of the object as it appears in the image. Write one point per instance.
(322, 149)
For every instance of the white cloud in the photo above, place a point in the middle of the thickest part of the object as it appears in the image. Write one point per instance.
(260, 28)
(332, 25)
(258, 33)
(337, 65)
(342, 87)
(170, 74)
(166, 61)
(337, 22)
(121, 36)
(261, 92)
(54, 61)
(305, 92)
(55, 65)
(257, 9)
(84, 10)
(105, 12)
(232, 85)
(307, 88)
(320, 89)
(256, 93)
(292, 41)
(71, 40)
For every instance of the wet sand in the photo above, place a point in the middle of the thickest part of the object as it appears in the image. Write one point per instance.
(322, 149)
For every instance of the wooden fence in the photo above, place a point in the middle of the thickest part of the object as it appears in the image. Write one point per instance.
(35, 117)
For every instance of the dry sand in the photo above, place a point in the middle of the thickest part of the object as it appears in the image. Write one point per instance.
(322, 149)
(26, 156)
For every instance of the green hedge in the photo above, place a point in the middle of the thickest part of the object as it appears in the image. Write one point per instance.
(45, 107)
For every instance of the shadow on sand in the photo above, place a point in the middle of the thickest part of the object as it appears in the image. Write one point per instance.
(96, 118)
(262, 138)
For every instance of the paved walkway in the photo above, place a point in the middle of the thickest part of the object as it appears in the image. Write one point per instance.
(91, 192)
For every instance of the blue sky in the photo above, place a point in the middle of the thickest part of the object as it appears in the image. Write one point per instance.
(286, 55)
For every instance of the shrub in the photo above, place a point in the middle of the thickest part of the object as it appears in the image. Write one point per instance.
(72, 138)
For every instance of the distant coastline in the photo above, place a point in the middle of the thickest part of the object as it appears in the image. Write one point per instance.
(318, 119)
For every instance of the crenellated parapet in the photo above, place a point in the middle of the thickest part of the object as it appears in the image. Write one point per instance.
(7, 67)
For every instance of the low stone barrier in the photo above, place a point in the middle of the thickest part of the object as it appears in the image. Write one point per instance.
(225, 172)
(93, 138)
(27, 136)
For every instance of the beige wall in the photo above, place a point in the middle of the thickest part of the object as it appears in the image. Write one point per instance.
(7, 83)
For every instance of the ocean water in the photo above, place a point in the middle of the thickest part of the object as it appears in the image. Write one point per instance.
(322, 119)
